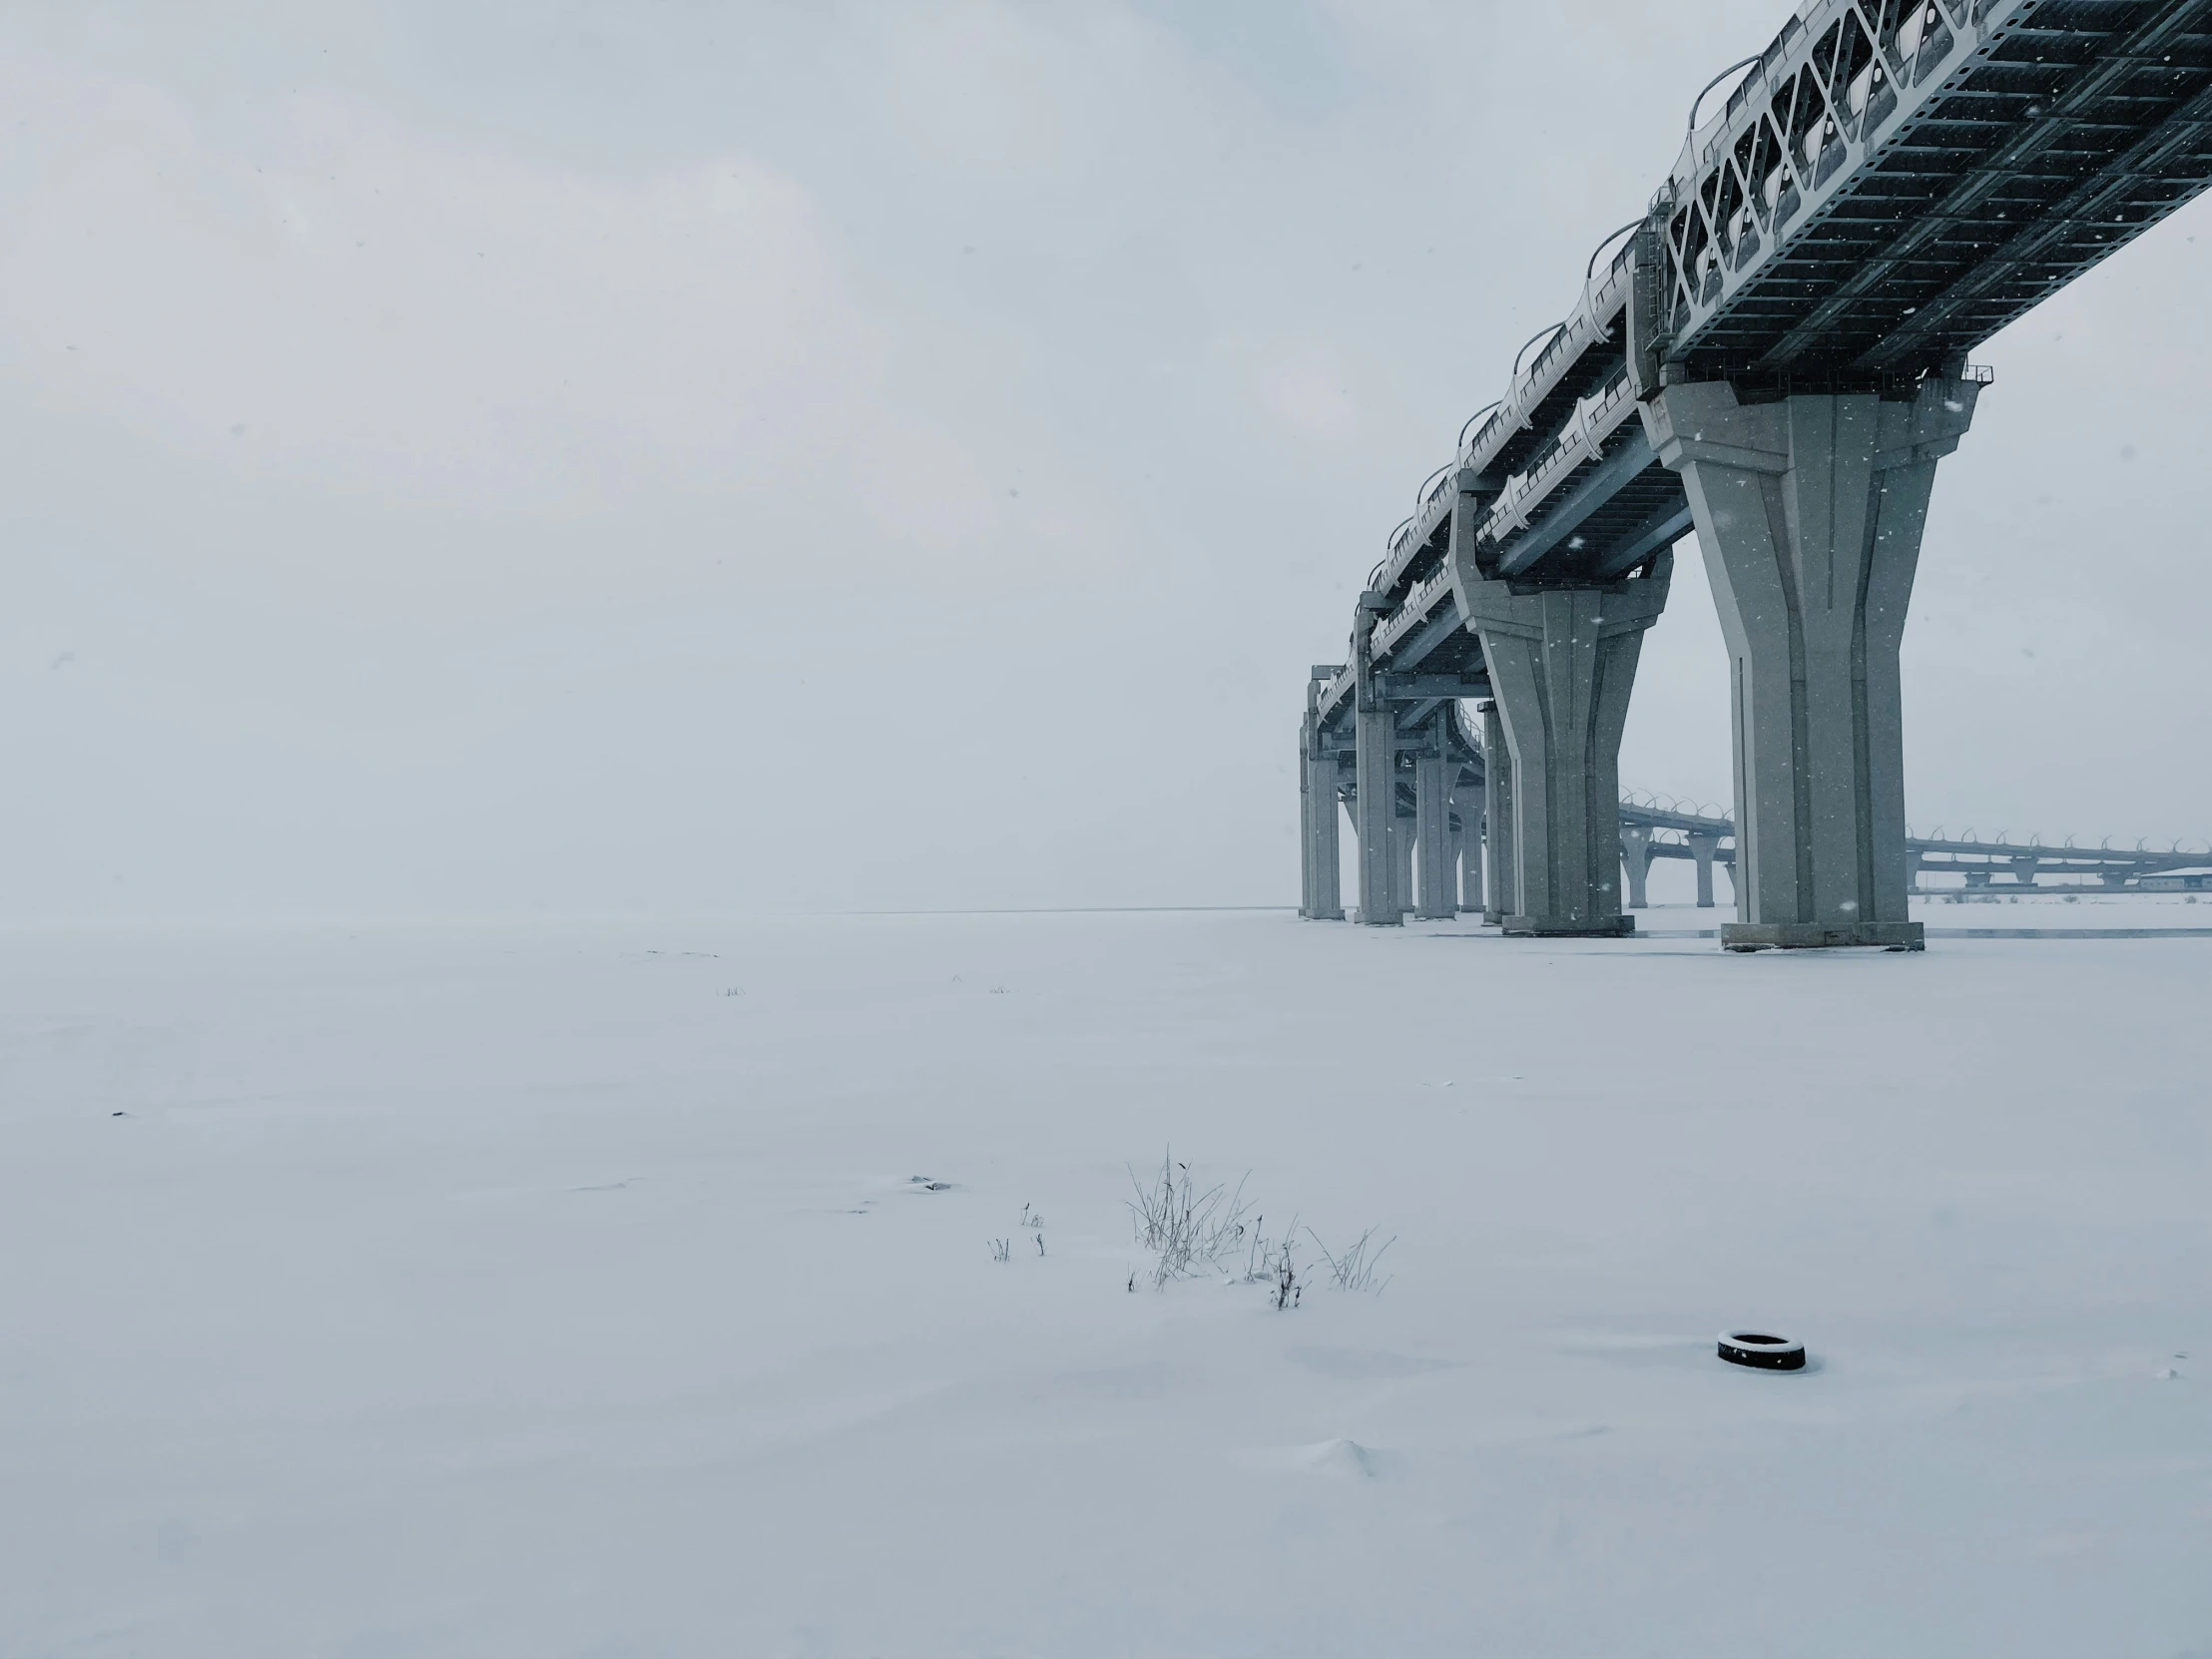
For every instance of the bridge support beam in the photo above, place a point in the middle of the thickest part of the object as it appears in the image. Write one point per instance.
(1497, 819)
(1437, 877)
(1562, 661)
(1636, 863)
(1810, 512)
(1702, 849)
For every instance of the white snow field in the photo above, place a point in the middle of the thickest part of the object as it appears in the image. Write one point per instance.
(536, 1294)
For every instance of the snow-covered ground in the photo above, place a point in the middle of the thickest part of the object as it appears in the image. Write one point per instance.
(568, 1293)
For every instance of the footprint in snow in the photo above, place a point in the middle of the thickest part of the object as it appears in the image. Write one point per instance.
(1348, 1459)
(1341, 1460)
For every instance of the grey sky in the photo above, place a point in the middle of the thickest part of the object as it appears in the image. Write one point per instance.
(699, 458)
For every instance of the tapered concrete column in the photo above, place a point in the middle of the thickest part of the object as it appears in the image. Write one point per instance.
(1636, 863)
(1562, 661)
(1320, 894)
(1375, 808)
(1468, 801)
(1497, 819)
(1401, 863)
(1375, 813)
(1305, 870)
(1810, 512)
(1702, 849)
(1435, 879)
(1328, 899)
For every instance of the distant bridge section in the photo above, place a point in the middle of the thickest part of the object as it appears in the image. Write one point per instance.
(1650, 832)
(1441, 775)
(1774, 353)
(2001, 865)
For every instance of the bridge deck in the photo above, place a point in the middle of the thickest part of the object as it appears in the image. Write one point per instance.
(1891, 184)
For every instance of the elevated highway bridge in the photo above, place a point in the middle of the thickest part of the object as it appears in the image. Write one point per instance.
(1441, 786)
(1773, 355)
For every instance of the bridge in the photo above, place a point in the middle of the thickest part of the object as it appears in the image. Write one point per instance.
(1440, 794)
(1774, 354)
(1651, 832)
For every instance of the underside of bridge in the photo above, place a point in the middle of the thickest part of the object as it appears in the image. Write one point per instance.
(1774, 354)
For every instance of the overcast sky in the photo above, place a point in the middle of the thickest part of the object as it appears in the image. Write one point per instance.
(482, 459)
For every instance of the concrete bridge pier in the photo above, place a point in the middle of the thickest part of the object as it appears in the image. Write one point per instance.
(1702, 849)
(1402, 827)
(1636, 863)
(1321, 860)
(1467, 802)
(1562, 660)
(1374, 815)
(1436, 871)
(1320, 897)
(1375, 737)
(1497, 819)
(1810, 511)
(1305, 812)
